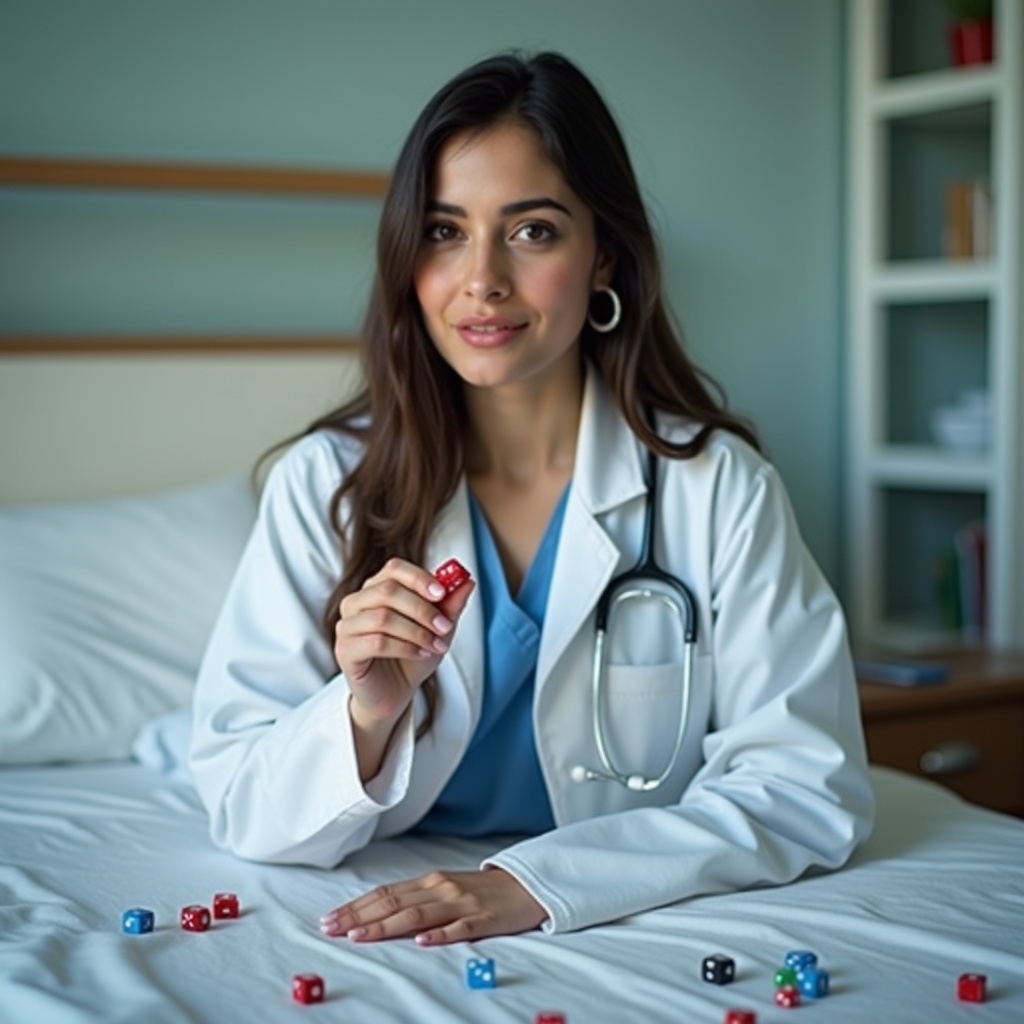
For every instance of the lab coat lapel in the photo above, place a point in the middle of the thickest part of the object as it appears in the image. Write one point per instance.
(608, 473)
(453, 538)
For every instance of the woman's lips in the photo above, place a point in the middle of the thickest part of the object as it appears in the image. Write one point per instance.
(488, 332)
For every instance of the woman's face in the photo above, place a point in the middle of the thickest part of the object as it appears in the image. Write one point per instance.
(507, 262)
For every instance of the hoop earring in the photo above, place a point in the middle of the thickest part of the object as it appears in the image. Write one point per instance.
(613, 321)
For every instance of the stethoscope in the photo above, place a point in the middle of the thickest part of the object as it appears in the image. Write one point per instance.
(634, 585)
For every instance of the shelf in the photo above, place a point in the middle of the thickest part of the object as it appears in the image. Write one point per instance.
(934, 340)
(47, 172)
(921, 467)
(936, 91)
(921, 637)
(227, 179)
(932, 280)
(921, 157)
(175, 344)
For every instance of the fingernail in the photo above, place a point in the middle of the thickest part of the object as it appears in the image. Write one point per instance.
(436, 590)
(423, 940)
(356, 933)
(440, 646)
(442, 625)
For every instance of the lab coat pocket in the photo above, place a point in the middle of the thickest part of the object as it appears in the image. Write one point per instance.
(641, 710)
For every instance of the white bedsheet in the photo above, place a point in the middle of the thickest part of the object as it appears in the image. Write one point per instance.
(938, 891)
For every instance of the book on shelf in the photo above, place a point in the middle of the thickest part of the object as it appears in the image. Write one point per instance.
(971, 545)
(967, 229)
(961, 582)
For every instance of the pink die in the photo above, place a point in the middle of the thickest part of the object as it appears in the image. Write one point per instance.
(550, 1017)
(225, 904)
(195, 918)
(970, 988)
(308, 988)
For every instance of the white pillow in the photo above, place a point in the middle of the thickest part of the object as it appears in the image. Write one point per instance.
(105, 610)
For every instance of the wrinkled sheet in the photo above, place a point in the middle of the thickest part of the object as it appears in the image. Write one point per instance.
(938, 891)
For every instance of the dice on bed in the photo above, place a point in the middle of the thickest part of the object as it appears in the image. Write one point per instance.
(785, 976)
(787, 996)
(740, 1017)
(812, 982)
(137, 921)
(970, 988)
(799, 959)
(195, 918)
(718, 968)
(308, 988)
(480, 973)
(550, 1017)
(225, 905)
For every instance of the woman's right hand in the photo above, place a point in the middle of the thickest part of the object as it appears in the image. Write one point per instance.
(391, 635)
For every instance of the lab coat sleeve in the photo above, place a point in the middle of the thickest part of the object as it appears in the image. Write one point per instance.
(784, 785)
(272, 753)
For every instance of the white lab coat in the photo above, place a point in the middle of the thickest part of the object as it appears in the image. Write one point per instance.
(772, 779)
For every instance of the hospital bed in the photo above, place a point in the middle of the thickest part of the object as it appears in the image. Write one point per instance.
(104, 607)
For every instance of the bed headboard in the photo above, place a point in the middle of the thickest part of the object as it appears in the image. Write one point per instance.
(98, 415)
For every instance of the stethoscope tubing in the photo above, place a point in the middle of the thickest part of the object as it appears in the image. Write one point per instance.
(636, 782)
(635, 584)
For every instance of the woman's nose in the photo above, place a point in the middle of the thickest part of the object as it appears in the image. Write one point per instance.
(487, 274)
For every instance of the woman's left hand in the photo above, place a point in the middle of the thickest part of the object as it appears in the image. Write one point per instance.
(439, 908)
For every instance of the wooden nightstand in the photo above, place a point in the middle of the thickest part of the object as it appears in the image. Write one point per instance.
(966, 732)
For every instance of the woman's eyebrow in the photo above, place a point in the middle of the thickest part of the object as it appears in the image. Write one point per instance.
(509, 209)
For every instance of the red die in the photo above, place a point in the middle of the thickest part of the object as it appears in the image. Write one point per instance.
(225, 904)
(451, 574)
(550, 1017)
(787, 996)
(195, 918)
(970, 988)
(308, 988)
(740, 1017)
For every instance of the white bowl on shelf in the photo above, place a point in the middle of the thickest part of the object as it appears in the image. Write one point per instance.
(965, 427)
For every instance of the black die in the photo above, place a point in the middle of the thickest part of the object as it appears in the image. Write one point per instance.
(719, 969)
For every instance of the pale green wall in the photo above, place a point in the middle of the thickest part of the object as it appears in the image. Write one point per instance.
(732, 109)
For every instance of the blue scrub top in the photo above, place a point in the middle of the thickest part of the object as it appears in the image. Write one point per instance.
(498, 787)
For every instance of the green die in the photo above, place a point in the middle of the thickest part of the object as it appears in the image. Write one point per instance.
(785, 976)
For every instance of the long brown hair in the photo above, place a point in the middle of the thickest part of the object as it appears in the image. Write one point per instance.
(411, 417)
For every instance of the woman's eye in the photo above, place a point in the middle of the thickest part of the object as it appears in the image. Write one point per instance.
(536, 231)
(440, 231)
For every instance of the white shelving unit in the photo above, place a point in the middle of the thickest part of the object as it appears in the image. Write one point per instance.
(923, 326)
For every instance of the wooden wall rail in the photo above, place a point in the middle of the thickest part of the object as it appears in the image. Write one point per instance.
(59, 173)
(175, 344)
(47, 172)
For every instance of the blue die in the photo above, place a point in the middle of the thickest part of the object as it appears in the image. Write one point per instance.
(480, 973)
(137, 921)
(812, 981)
(800, 959)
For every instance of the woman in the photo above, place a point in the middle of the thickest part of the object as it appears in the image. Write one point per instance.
(520, 366)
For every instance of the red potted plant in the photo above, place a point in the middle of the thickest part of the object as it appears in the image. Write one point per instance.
(970, 32)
